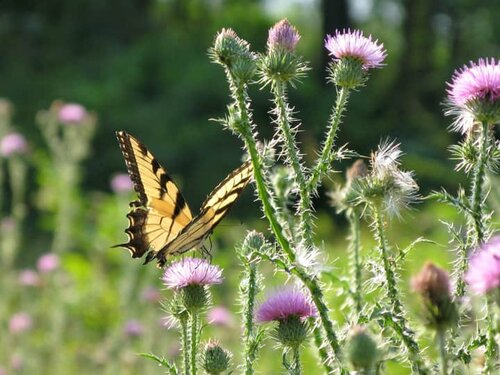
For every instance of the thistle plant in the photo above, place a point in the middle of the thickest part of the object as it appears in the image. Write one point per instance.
(68, 130)
(354, 55)
(474, 102)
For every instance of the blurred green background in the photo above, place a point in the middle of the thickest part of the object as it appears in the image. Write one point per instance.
(142, 66)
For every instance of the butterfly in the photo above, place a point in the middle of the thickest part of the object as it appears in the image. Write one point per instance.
(160, 221)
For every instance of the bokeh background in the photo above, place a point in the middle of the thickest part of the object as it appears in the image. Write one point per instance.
(142, 66)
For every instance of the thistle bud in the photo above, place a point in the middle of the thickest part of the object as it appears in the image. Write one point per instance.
(234, 53)
(215, 358)
(362, 349)
(283, 36)
(433, 285)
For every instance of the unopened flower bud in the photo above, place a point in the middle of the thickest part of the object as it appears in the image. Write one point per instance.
(215, 359)
(283, 36)
(362, 349)
(433, 285)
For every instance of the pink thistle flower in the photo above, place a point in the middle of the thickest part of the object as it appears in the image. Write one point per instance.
(29, 278)
(13, 143)
(151, 294)
(483, 274)
(354, 44)
(479, 80)
(121, 183)
(133, 328)
(47, 263)
(219, 316)
(283, 35)
(72, 113)
(191, 271)
(284, 304)
(20, 322)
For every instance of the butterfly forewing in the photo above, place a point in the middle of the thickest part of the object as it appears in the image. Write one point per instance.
(161, 212)
(215, 207)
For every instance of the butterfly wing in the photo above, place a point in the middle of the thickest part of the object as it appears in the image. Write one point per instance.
(160, 213)
(213, 210)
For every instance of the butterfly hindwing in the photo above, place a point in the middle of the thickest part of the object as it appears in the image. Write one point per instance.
(161, 212)
(213, 210)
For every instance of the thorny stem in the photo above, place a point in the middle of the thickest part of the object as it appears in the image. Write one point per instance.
(392, 291)
(296, 361)
(355, 266)
(248, 308)
(396, 318)
(323, 353)
(194, 341)
(245, 131)
(284, 120)
(477, 195)
(185, 345)
(491, 353)
(326, 155)
(442, 351)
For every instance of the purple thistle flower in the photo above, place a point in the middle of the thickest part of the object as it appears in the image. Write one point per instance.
(121, 183)
(72, 113)
(13, 143)
(29, 278)
(133, 328)
(20, 322)
(284, 304)
(283, 35)
(191, 271)
(483, 274)
(47, 263)
(479, 80)
(355, 44)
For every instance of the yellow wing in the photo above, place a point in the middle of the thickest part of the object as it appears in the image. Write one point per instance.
(161, 212)
(213, 210)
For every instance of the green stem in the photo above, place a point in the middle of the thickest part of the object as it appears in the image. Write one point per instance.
(355, 266)
(185, 346)
(248, 309)
(477, 193)
(442, 351)
(491, 354)
(323, 353)
(244, 128)
(392, 291)
(246, 133)
(326, 155)
(294, 160)
(194, 341)
(297, 370)
(396, 318)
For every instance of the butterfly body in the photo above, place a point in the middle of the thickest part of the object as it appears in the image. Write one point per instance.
(160, 221)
